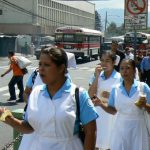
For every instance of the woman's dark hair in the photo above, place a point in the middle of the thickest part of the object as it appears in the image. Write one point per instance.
(110, 54)
(131, 61)
(57, 55)
(11, 53)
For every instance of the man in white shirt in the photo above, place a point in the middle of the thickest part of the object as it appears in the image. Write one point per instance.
(128, 54)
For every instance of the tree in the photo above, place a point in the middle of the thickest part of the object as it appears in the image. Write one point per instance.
(113, 30)
(98, 23)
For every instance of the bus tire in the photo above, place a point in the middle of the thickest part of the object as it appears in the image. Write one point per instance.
(96, 57)
(89, 57)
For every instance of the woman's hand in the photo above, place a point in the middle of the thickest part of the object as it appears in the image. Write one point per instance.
(98, 70)
(105, 94)
(2, 111)
(96, 101)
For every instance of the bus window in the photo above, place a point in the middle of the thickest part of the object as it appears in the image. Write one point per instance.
(58, 37)
(68, 38)
(94, 39)
(79, 38)
(85, 38)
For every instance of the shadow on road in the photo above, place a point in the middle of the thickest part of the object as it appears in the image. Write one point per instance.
(8, 103)
(81, 61)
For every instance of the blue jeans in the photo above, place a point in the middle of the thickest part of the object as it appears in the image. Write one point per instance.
(19, 81)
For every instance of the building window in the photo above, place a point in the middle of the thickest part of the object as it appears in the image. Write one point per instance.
(1, 12)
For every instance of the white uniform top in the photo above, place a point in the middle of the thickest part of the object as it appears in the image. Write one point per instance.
(129, 131)
(38, 81)
(105, 120)
(117, 60)
(54, 119)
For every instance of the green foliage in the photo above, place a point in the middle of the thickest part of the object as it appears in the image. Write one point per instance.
(113, 30)
(98, 23)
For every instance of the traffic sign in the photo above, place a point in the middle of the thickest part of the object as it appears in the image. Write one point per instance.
(136, 7)
(136, 14)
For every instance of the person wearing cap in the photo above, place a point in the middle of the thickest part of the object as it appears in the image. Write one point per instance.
(128, 54)
(116, 51)
(145, 68)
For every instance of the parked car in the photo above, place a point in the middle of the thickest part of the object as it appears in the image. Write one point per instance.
(38, 50)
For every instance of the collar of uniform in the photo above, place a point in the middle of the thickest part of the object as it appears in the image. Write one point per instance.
(113, 75)
(65, 88)
(132, 90)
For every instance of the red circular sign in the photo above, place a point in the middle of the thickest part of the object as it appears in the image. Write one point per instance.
(133, 3)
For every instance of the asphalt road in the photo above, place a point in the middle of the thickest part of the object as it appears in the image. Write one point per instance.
(80, 76)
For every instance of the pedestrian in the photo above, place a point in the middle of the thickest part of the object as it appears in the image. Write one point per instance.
(104, 79)
(35, 79)
(17, 78)
(138, 61)
(128, 54)
(145, 68)
(130, 132)
(51, 111)
(116, 51)
(26, 49)
(32, 49)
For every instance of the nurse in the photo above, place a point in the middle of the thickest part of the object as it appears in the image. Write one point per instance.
(104, 79)
(35, 79)
(51, 111)
(130, 132)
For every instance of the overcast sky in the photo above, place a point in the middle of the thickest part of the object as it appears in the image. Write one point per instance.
(109, 4)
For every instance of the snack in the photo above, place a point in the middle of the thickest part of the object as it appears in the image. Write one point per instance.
(141, 100)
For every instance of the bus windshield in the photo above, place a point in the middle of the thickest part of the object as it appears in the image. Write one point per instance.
(69, 38)
(129, 38)
(140, 40)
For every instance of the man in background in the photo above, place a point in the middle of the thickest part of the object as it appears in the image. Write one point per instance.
(16, 79)
(128, 54)
(119, 54)
(145, 68)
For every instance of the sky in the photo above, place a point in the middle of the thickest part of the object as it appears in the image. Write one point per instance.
(110, 4)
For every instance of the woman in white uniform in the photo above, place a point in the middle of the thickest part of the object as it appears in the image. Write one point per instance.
(130, 132)
(51, 112)
(105, 78)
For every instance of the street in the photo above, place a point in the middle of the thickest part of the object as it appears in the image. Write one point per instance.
(80, 76)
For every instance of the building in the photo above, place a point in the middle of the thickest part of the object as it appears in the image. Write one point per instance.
(42, 17)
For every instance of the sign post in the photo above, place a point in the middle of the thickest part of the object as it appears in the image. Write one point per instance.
(135, 17)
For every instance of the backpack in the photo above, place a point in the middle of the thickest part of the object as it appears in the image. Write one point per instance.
(34, 75)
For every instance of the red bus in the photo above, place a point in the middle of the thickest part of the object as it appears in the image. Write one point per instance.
(83, 42)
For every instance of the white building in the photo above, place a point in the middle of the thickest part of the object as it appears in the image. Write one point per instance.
(40, 17)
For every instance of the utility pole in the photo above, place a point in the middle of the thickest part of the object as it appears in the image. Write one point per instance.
(105, 23)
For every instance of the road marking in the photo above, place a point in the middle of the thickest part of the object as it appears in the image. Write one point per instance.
(31, 68)
(7, 94)
(4, 88)
(4, 67)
